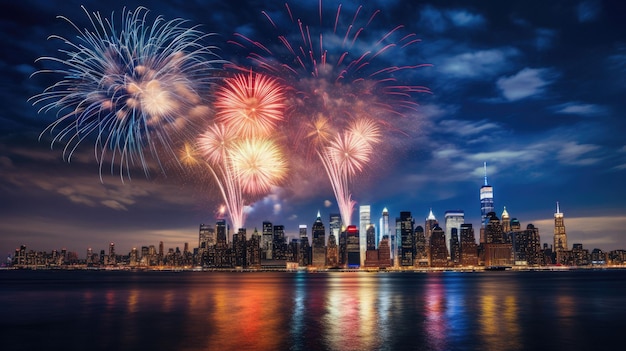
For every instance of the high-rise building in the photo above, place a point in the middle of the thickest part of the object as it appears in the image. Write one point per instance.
(303, 254)
(332, 251)
(407, 240)
(253, 246)
(455, 252)
(383, 226)
(454, 219)
(222, 253)
(280, 243)
(239, 248)
(112, 255)
(371, 254)
(335, 230)
(319, 242)
(267, 241)
(469, 252)
(527, 246)
(206, 240)
(560, 237)
(430, 224)
(486, 204)
(384, 252)
(365, 219)
(438, 251)
(421, 248)
(506, 221)
(353, 248)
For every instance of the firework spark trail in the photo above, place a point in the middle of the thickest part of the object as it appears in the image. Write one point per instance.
(343, 97)
(238, 148)
(132, 87)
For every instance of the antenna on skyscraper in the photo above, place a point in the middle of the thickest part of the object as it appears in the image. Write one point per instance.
(485, 166)
(557, 207)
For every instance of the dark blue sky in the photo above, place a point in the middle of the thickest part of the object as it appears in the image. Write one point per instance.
(534, 88)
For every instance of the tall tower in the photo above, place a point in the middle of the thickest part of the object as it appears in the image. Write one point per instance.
(506, 221)
(407, 246)
(454, 219)
(430, 224)
(560, 238)
(319, 242)
(486, 204)
(383, 225)
(365, 219)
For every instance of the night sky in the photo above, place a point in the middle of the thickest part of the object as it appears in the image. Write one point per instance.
(534, 88)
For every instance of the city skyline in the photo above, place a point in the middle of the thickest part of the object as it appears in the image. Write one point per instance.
(539, 101)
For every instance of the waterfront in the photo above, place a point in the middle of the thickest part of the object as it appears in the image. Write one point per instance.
(506, 310)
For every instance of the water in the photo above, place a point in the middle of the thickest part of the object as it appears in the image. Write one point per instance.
(108, 310)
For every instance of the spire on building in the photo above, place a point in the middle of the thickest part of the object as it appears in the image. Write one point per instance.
(485, 166)
(318, 214)
(557, 207)
(505, 213)
(431, 216)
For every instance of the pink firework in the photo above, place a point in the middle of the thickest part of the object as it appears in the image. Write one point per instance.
(251, 103)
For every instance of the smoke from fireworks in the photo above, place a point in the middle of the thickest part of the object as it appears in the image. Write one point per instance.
(343, 97)
(130, 88)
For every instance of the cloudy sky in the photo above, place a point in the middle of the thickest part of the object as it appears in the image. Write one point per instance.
(534, 88)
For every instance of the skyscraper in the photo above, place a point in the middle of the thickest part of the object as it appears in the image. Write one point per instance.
(267, 241)
(407, 240)
(454, 219)
(206, 239)
(319, 242)
(430, 224)
(365, 219)
(352, 247)
(506, 221)
(438, 251)
(469, 253)
(486, 204)
(560, 237)
(303, 251)
(383, 226)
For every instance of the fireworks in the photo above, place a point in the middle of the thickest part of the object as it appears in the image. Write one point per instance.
(345, 90)
(240, 148)
(131, 88)
(252, 104)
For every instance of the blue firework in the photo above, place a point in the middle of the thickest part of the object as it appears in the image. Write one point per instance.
(132, 89)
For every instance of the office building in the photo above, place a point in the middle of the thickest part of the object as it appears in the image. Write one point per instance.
(453, 219)
(365, 219)
(486, 204)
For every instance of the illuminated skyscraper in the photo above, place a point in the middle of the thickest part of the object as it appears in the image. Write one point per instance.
(383, 226)
(454, 219)
(319, 242)
(407, 240)
(303, 253)
(438, 251)
(429, 225)
(506, 221)
(469, 253)
(267, 241)
(365, 219)
(112, 256)
(353, 249)
(486, 204)
(560, 237)
(206, 239)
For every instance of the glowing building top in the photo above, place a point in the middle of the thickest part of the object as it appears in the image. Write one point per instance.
(560, 237)
(486, 199)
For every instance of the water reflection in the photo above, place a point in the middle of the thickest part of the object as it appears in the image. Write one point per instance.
(321, 311)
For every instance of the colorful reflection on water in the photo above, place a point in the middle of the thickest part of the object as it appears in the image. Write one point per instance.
(305, 311)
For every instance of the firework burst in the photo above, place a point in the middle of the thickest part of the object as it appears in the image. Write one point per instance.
(240, 148)
(132, 88)
(345, 90)
(251, 103)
